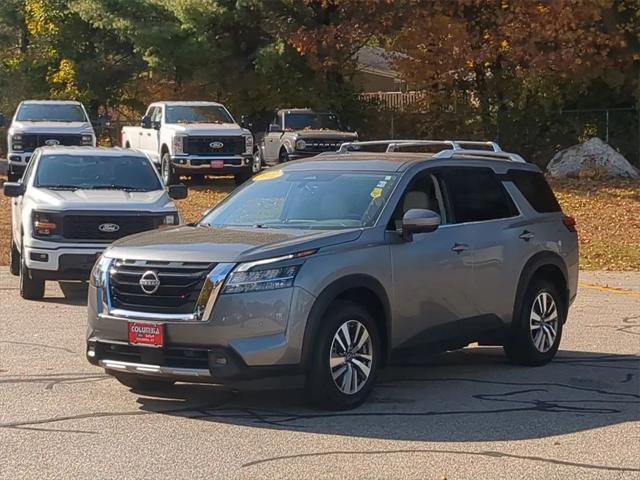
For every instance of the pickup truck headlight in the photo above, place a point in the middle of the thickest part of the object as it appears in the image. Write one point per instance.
(301, 144)
(101, 266)
(169, 220)
(263, 275)
(87, 139)
(248, 143)
(44, 224)
(178, 145)
(15, 141)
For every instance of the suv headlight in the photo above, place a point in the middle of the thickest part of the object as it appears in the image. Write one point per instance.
(100, 268)
(263, 275)
(15, 141)
(248, 143)
(178, 145)
(301, 144)
(87, 139)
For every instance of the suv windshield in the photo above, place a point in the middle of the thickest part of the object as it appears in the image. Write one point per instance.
(33, 112)
(94, 172)
(315, 200)
(197, 114)
(311, 121)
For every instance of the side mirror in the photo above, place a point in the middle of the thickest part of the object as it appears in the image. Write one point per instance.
(419, 220)
(14, 189)
(274, 128)
(178, 191)
(146, 122)
(2, 119)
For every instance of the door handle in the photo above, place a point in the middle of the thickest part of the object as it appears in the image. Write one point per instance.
(527, 235)
(460, 247)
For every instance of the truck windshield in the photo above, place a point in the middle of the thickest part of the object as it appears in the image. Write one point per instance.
(41, 112)
(313, 200)
(197, 114)
(311, 121)
(58, 171)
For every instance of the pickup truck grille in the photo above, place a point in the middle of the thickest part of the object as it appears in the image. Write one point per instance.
(202, 146)
(31, 141)
(180, 285)
(88, 227)
(319, 145)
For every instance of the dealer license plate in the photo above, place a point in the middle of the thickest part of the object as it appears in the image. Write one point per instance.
(217, 164)
(142, 333)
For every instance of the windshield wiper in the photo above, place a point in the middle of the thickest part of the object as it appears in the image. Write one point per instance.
(60, 187)
(117, 187)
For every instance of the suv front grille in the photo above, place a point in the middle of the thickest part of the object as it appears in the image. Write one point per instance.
(31, 141)
(87, 227)
(180, 285)
(202, 145)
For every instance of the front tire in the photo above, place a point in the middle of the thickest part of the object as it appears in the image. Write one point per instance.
(14, 259)
(31, 287)
(141, 383)
(344, 364)
(166, 170)
(283, 156)
(536, 335)
(256, 162)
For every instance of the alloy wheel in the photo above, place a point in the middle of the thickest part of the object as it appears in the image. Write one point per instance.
(543, 322)
(351, 357)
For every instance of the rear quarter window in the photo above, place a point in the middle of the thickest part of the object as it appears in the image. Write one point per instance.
(536, 190)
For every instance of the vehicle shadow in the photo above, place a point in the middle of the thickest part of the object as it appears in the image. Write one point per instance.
(469, 395)
(73, 293)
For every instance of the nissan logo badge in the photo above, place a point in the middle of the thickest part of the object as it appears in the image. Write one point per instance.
(149, 282)
(216, 145)
(109, 227)
(52, 142)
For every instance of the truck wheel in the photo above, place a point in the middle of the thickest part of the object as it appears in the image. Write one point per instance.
(256, 162)
(283, 157)
(166, 170)
(14, 259)
(240, 178)
(31, 287)
(141, 383)
(345, 360)
(538, 329)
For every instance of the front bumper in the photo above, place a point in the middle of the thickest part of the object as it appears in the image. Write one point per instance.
(53, 261)
(201, 164)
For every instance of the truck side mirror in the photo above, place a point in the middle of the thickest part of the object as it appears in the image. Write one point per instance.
(274, 128)
(2, 119)
(14, 189)
(178, 191)
(146, 122)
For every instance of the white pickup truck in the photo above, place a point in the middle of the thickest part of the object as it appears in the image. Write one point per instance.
(39, 123)
(195, 139)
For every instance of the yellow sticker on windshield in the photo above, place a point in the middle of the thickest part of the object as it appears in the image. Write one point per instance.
(376, 192)
(268, 175)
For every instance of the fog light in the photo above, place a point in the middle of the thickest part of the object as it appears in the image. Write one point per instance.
(39, 257)
(15, 158)
(91, 350)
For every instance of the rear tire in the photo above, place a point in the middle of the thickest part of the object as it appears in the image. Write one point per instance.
(14, 259)
(31, 287)
(141, 383)
(283, 157)
(536, 335)
(166, 170)
(344, 363)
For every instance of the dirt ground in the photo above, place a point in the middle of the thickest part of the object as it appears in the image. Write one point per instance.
(607, 212)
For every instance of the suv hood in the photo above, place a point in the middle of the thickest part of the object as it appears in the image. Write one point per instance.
(206, 128)
(326, 134)
(205, 244)
(51, 127)
(156, 200)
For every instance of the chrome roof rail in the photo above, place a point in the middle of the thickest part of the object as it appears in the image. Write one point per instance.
(474, 143)
(393, 144)
(500, 155)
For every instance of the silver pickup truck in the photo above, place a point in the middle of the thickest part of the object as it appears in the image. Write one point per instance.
(72, 202)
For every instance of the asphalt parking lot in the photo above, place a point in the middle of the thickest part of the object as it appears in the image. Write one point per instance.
(465, 414)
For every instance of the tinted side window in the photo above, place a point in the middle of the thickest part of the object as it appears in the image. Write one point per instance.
(535, 189)
(477, 194)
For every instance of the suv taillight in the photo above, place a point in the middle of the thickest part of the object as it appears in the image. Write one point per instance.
(570, 223)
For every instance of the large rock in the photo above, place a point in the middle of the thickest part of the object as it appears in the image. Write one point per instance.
(593, 158)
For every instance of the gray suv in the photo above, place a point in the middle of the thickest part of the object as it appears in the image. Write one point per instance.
(336, 265)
